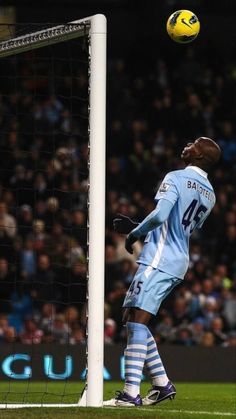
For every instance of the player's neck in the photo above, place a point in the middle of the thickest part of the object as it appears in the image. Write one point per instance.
(199, 165)
(198, 168)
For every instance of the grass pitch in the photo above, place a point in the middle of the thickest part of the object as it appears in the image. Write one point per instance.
(200, 401)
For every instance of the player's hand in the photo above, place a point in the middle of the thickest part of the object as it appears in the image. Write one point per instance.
(123, 224)
(130, 240)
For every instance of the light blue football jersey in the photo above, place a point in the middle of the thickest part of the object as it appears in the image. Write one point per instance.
(167, 246)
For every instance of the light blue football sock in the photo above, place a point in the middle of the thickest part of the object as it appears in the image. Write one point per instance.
(154, 363)
(135, 355)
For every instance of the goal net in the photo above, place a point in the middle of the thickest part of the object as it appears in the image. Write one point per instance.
(52, 211)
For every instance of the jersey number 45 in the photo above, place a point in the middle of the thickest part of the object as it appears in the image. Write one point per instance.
(193, 214)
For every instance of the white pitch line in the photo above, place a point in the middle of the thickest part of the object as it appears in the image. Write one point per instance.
(189, 412)
(193, 412)
(26, 406)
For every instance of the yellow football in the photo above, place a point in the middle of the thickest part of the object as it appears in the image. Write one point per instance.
(183, 26)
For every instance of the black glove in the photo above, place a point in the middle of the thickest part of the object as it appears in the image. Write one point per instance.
(130, 240)
(123, 224)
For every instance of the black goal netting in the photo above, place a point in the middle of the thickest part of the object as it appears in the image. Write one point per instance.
(44, 105)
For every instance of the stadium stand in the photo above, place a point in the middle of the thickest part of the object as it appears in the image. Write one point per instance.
(151, 114)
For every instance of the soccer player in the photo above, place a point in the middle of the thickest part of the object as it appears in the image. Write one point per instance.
(184, 200)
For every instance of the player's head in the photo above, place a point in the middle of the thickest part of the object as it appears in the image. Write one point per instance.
(204, 153)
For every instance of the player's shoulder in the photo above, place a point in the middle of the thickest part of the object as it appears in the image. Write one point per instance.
(172, 178)
(175, 174)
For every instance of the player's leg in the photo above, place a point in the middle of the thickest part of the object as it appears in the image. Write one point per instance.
(136, 349)
(143, 299)
(134, 357)
(136, 320)
(162, 388)
(146, 293)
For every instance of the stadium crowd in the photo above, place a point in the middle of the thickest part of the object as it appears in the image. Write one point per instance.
(152, 112)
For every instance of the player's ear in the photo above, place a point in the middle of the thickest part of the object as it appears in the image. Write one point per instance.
(199, 152)
(199, 156)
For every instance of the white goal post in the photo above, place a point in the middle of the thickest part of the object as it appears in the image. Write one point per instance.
(95, 28)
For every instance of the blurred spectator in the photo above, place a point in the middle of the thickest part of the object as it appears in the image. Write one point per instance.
(180, 311)
(21, 306)
(165, 329)
(60, 329)
(58, 245)
(6, 286)
(51, 214)
(231, 340)
(197, 328)
(43, 284)
(208, 339)
(22, 181)
(10, 335)
(31, 333)
(217, 327)
(28, 259)
(7, 222)
(109, 331)
(25, 221)
(222, 271)
(3, 326)
(79, 227)
(46, 317)
(72, 317)
(184, 336)
(229, 307)
(52, 109)
(210, 311)
(39, 235)
(196, 300)
(77, 282)
(77, 336)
